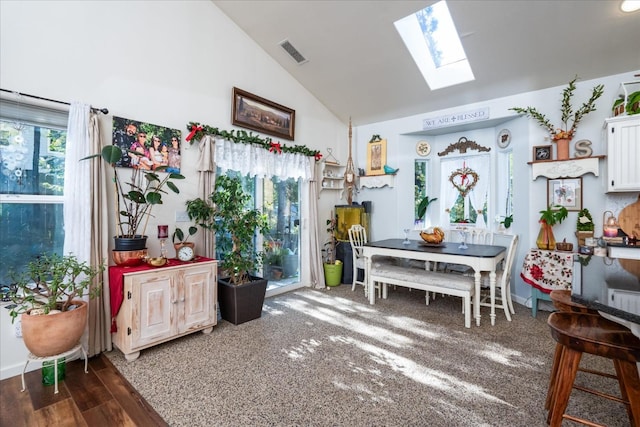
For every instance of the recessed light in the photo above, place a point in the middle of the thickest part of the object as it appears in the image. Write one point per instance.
(630, 5)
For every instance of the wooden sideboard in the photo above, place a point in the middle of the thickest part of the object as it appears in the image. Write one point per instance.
(154, 305)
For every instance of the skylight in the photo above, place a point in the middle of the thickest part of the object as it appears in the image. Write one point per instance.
(432, 39)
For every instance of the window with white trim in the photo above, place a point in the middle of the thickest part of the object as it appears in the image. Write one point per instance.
(32, 154)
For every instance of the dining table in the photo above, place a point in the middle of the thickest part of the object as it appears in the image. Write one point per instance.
(481, 258)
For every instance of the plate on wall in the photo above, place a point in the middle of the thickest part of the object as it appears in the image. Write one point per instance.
(423, 148)
(504, 138)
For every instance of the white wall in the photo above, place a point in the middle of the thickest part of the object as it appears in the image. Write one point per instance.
(167, 63)
(393, 208)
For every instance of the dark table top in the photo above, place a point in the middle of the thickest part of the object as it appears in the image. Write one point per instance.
(607, 286)
(447, 248)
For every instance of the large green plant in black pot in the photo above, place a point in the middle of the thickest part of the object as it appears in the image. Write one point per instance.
(240, 292)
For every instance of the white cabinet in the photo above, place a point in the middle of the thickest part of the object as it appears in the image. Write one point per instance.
(623, 153)
(165, 303)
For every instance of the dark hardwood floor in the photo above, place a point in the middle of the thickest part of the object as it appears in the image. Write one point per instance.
(101, 397)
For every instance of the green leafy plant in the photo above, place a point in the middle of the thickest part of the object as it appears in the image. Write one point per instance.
(584, 221)
(424, 205)
(182, 238)
(507, 221)
(567, 129)
(51, 282)
(554, 215)
(137, 194)
(230, 216)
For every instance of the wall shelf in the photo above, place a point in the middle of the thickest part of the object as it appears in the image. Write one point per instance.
(571, 168)
(376, 181)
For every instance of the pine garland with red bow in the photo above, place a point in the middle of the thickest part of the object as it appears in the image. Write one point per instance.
(197, 131)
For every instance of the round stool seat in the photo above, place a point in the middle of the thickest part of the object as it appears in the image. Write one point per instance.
(561, 299)
(595, 335)
(578, 333)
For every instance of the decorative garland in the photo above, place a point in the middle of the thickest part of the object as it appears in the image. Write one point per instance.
(197, 131)
(466, 184)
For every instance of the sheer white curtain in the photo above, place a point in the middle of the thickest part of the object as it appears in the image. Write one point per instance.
(253, 160)
(77, 195)
(481, 164)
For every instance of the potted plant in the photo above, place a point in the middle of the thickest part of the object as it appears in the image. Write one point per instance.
(273, 260)
(549, 217)
(136, 194)
(332, 267)
(48, 298)
(240, 293)
(584, 226)
(570, 118)
(182, 238)
(424, 205)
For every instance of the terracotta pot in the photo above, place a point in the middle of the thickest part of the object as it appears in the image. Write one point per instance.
(51, 334)
(562, 147)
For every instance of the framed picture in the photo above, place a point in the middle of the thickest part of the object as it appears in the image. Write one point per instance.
(542, 152)
(146, 146)
(376, 157)
(565, 192)
(253, 112)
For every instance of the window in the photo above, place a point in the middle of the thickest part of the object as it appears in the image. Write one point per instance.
(420, 191)
(505, 185)
(32, 150)
(466, 190)
(432, 40)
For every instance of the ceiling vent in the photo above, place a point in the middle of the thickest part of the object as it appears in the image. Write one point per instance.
(293, 52)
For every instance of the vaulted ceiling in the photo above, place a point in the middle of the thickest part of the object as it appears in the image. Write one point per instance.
(358, 66)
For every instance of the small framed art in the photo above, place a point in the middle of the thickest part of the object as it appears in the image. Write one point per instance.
(541, 152)
(376, 157)
(565, 192)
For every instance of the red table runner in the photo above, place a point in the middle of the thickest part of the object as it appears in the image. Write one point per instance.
(548, 270)
(116, 282)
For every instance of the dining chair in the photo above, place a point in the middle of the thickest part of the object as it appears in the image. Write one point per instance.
(476, 236)
(358, 238)
(503, 277)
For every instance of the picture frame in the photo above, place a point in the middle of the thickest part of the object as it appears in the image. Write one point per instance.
(566, 192)
(256, 113)
(376, 157)
(542, 152)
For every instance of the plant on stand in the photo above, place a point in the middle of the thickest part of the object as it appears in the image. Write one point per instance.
(549, 217)
(48, 295)
(332, 267)
(570, 119)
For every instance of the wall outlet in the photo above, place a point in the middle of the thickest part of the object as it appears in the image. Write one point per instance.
(182, 216)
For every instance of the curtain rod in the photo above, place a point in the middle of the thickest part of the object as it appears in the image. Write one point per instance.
(101, 110)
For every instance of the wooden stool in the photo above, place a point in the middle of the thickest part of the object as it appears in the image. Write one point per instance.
(584, 333)
(561, 299)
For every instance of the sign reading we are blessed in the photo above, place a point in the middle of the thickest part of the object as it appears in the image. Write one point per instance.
(456, 119)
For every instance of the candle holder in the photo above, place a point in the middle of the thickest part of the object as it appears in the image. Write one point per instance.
(163, 234)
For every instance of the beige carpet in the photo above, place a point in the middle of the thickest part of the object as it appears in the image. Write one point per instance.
(328, 358)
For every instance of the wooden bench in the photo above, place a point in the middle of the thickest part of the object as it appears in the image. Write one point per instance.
(429, 281)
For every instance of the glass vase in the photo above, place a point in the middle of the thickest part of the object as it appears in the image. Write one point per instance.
(546, 239)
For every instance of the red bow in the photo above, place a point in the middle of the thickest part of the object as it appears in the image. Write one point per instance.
(275, 146)
(194, 129)
(318, 156)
